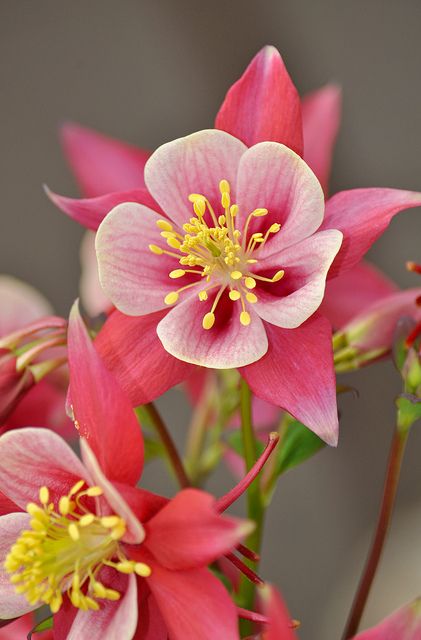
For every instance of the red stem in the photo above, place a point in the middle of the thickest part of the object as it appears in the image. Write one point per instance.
(394, 465)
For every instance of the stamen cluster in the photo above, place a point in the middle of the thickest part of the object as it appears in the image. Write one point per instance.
(221, 254)
(66, 549)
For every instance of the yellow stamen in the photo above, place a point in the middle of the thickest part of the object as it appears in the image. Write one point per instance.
(208, 320)
(245, 318)
(177, 273)
(234, 294)
(164, 225)
(44, 495)
(155, 249)
(236, 275)
(171, 298)
(251, 297)
(250, 282)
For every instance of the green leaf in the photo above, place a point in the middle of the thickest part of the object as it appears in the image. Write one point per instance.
(44, 625)
(297, 445)
(409, 410)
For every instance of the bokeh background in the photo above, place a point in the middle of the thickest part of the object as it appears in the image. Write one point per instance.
(148, 72)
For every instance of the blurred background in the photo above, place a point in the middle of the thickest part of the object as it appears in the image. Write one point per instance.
(148, 72)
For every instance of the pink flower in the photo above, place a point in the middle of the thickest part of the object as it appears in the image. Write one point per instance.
(404, 624)
(19, 629)
(115, 548)
(251, 113)
(24, 316)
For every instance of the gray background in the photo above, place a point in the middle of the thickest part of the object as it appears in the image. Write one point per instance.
(148, 72)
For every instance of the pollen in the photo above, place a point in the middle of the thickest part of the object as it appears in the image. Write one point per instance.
(65, 550)
(217, 257)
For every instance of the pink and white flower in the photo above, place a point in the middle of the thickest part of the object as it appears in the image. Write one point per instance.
(403, 624)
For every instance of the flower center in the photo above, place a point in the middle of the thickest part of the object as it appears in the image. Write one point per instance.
(220, 256)
(64, 551)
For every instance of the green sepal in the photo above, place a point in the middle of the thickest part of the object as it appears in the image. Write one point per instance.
(44, 625)
(409, 410)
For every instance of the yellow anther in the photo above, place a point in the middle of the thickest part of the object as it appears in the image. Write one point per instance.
(278, 275)
(236, 275)
(221, 220)
(250, 282)
(203, 295)
(118, 531)
(225, 200)
(94, 492)
(274, 228)
(155, 249)
(64, 505)
(257, 213)
(44, 495)
(199, 207)
(125, 567)
(86, 520)
(250, 297)
(171, 298)
(33, 509)
(224, 186)
(245, 318)
(234, 294)
(99, 589)
(56, 602)
(164, 225)
(251, 261)
(74, 532)
(234, 210)
(142, 569)
(111, 594)
(173, 242)
(177, 273)
(110, 521)
(167, 234)
(257, 235)
(208, 320)
(76, 487)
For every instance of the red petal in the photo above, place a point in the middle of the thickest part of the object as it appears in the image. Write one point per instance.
(132, 350)
(100, 163)
(297, 375)
(263, 104)
(363, 215)
(103, 412)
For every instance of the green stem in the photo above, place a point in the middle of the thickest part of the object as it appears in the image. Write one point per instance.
(167, 441)
(255, 508)
(394, 466)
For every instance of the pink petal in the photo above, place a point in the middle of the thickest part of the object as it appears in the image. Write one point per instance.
(227, 345)
(102, 164)
(194, 164)
(132, 351)
(151, 625)
(189, 533)
(375, 326)
(115, 504)
(144, 504)
(272, 176)
(354, 291)
(12, 605)
(193, 603)
(297, 375)
(403, 624)
(19, 629)
(33, 457)
(90, 212)
(263, 104)
(20, 304)
(135, 279)
(279, 627)
(7, 506)
(92, 295)
(301, 290)
(321, 111)
(102, 411)
(115, 619)
(363, 215)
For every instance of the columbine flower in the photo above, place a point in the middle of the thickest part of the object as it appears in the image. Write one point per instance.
(91, 544)
(403, 624)
(28, 333)
(262, 105)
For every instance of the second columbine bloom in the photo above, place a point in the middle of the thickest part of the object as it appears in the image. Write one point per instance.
(234, 248)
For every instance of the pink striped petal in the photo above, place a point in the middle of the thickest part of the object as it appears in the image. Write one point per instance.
(321, 111)
(12, 605)
(353, 291)
(92, 295)
(20, 304)
(193, 603)
(132, 351)
(114, 619)
(297, 375)
(151, 625)
(102, 164)
(363, 215)
(300, 292)
(403, 624)
(194, 164)
(135, 279)
(227, 345)
(114, 502)
(102, 411)
(273, 177)
(90, 212)
(33, 457)
(263, 104)
(189, 533)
